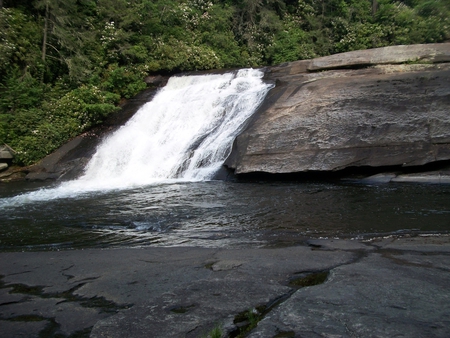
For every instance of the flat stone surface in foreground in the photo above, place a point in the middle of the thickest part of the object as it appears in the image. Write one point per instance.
(380, 288)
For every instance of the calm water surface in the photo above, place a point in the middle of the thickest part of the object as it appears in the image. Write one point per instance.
(220, 214)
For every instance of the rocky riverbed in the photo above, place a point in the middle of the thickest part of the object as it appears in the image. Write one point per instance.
(382, 287)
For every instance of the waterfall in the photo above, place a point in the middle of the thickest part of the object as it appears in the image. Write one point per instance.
(184, 134)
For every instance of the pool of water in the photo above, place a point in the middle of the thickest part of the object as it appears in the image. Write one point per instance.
(218, 214)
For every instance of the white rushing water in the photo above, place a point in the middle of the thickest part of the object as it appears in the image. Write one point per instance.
(185, 133)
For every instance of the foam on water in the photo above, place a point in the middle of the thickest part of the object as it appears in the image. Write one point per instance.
(184, 134)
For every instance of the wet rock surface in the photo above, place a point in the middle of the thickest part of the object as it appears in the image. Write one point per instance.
(387, 294)
(441, 176)
(326, 287)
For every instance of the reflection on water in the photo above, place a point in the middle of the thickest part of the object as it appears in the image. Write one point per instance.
(217, 214)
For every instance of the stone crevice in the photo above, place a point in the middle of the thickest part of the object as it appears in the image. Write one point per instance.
(51, 329)
(366, 292)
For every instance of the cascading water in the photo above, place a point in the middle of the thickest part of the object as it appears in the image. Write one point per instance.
(185, 133)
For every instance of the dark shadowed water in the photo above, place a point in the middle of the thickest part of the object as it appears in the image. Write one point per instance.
(220, 214)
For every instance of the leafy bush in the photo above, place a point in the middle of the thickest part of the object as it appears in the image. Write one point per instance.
(175, 55)
(88, 105)
(35, 132)
(20, 91)
(124, 81)
(18, 36)
(31, 135)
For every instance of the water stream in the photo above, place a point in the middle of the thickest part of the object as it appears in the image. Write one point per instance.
(185, 133)
(150, 183)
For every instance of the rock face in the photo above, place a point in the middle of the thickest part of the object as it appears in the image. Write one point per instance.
(382, 107)
(6, 156)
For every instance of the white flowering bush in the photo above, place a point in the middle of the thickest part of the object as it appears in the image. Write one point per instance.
(358, 36)
(179, 55)
(35, 132)
(7, 36)
(193, 12)
(18, 34)
(88, 105)
(112, 40)
(125, 81)
(109, 35)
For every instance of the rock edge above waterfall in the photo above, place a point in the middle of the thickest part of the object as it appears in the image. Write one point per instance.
(373, 108)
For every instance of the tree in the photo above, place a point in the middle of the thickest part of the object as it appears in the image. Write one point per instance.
(64, 35)
(18, 48)
(44, 39)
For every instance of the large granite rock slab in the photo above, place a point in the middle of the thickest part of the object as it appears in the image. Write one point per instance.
(384, 287)
(153, 292)
(424, 53)
(386, 114)
(349, 304)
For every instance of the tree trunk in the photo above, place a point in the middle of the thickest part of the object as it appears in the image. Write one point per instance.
(323, 9)
(44, 40)
(374, 7)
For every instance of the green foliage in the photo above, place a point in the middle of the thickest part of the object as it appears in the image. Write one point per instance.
(4, 120)
(34, 127)
(176, 55)
(292, 43)
(216, 332)
(425, 22)
(88, 105)
(124, 81)
(64, 65)
(20, 91)
(34, 133)
(39, 137)
(360, 36)
(18, 36)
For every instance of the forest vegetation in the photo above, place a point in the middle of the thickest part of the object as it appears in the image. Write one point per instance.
(66, 64)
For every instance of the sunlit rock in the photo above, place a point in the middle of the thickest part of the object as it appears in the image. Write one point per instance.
(3, 166)
(385, 114)
(5, 153)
